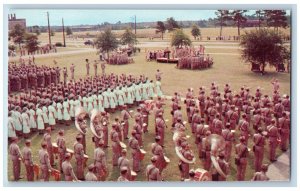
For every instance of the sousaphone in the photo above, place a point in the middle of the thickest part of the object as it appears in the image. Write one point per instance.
(181, 157)
(80, 122)
(95, 115)
(217, 144)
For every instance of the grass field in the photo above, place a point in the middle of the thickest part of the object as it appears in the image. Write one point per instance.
(227, 68)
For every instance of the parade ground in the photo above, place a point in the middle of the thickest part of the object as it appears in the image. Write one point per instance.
(227, 68)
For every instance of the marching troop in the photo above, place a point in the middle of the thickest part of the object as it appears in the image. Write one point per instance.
(223, 124)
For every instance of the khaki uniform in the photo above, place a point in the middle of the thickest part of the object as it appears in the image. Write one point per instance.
(27, 156)
(15, 155)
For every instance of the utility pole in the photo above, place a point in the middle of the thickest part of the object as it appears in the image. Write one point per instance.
(49, 29)
(63, 27)
(135, 27)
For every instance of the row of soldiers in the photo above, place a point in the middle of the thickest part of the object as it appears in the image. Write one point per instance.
(195, 63)
(32, 111)
(212, 114)
(119, 58)
(25, 77)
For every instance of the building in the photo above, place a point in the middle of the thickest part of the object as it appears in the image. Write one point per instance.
(13, 21)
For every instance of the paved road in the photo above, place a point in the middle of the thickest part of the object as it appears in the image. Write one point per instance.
(280, 170)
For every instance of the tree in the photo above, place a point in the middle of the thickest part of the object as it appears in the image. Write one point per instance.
(106, 41)
(17, 34)
(36, 30)
(52, 33)
(31, 43)
(179, 39)
(260, 14)
(160, 28)
(172, 24)
(276, 19)
(222, 17)
(195, 31)
(69, 31)
(263, 47)
(128, 37)
(239, 18)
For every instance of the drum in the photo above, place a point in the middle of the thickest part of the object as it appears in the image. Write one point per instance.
(202, 175)
(123, 146)
(56, 174)
(70, 151)
(36, 171)
(142, 154)
(133, 175)
(54, 148)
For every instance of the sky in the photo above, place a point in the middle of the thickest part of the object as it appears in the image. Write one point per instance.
(92, 17)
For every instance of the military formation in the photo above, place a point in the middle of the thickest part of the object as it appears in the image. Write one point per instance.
(119, 58)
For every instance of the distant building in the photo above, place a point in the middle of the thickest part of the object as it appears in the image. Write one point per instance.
(13, 21)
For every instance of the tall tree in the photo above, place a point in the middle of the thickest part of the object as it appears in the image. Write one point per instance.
(260, 14)
(31, 43)
(276, 18)
(179, 39)
(106, 41)
(69, 31)
(160, 28)
(36, 29)
(222, 17)
(128, 37)
(17, 34)
(195, 31)
(172, 24)
(239, 18)
(263, 47)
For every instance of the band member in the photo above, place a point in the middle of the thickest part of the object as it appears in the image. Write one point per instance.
(90, 176)
(241, 151)
(184, 167)
(124, 162)
(134, 145)
(123, 175)
(62, 149)
(68, 169)
(45, 162)
(116, 147)
(224, 166)
(139, 131)
(157, 151)
(261, 175)
(16, 157)
(160, 127)
(100, 162)
(47, 139)
(228, 137)
(200, 134)
(152, 172)
(27, 156)
(273, 140)
(206, 151)
(284, 129)
(244, 128)
(125, 116)
(258, 149)
(79, 157)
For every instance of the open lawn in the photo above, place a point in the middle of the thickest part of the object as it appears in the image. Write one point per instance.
(227, 68)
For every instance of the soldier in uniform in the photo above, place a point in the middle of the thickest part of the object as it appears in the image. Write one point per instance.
(224, 165)
(241, 151)
(123, 175)
(124, 162)
(261, 175)
(16, 157)
(134, 145)
(103, 68)
(125, 116)
(65, 73)
(116, 147)
(284, 130)
(160, 127)
(100, 162)
(183, 166)
(273, 140)
(152, 172)
(45, 162)
(95, 67)
(87, 65)
(157, 151)
(206, 151)
(68, 169)
(62, 149)
(27, 156)
(232, 117)
(258, 149)
(72, 69)
(79, 157)
(244, 128)
(90, 176)
(229, 138)
(47, 139)
(257, 119)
